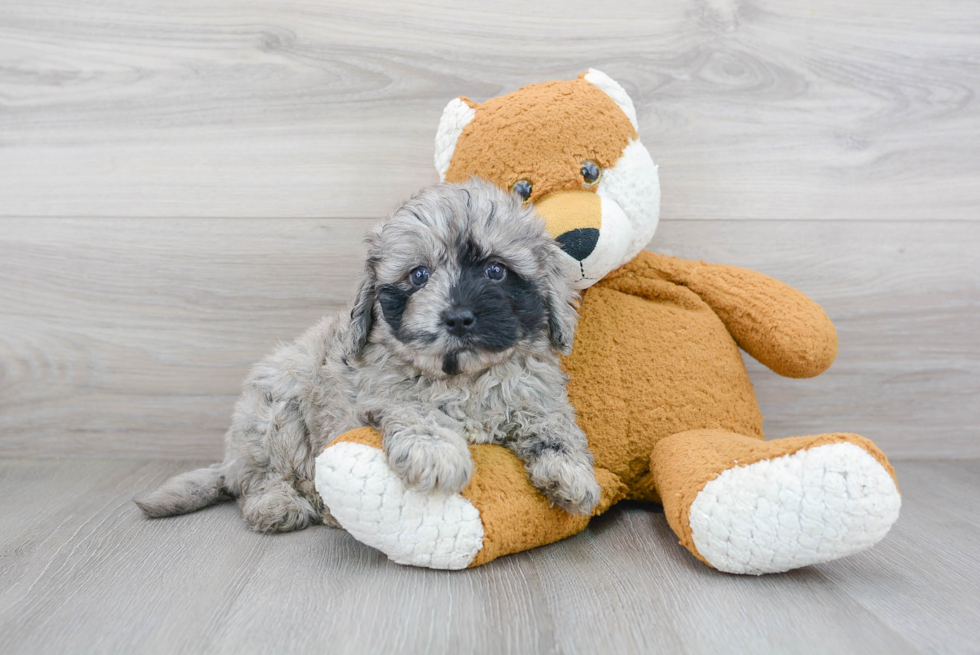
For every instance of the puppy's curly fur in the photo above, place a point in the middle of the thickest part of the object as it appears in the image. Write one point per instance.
(452, 339)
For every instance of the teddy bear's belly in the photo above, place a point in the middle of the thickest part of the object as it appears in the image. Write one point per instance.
(642, 370)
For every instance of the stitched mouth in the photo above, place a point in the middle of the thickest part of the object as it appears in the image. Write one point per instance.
(581, 268)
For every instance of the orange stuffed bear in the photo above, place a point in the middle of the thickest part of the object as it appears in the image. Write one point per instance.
(656, 374)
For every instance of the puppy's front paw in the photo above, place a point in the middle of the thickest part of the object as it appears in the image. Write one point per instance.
(430, 461)
(568, 481)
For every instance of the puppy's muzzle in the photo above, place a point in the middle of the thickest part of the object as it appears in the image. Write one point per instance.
(459, 322)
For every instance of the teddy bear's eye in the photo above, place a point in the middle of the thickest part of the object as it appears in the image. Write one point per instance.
(591, 173)
(522, 188)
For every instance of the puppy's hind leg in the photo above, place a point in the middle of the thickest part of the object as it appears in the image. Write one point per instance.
(270, 449)
(274, 505)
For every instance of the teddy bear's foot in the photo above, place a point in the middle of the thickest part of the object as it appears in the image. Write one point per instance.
(498, 513)
(778, 514)
(748, 506)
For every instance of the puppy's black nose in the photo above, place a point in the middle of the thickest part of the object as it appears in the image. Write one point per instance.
(579, 243)
(459, 322)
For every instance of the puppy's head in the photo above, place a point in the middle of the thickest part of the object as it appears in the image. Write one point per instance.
(460, 278)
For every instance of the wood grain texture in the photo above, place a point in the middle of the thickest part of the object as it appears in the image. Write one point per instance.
(214, 165)
(82, 572)
(905, 299)
(134, 336)
(130, 337)
(233, 108)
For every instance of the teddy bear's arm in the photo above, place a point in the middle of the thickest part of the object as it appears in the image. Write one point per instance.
(778, 325)
(498, 513)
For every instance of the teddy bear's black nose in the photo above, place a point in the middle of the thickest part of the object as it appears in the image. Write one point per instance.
(579, 243)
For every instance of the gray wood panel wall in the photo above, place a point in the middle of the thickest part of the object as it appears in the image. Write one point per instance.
(184, 183)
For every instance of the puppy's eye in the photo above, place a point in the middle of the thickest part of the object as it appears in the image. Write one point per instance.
(522, 188)
(496, 272)
(591, 173)
(419, 276)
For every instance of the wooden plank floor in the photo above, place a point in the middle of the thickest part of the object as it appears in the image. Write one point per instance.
(184, 182)
(82, 572)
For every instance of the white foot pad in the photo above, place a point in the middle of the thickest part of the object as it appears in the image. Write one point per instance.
(806, 508)
(435, 530)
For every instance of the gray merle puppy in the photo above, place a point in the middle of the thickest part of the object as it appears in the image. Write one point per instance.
(452, 339)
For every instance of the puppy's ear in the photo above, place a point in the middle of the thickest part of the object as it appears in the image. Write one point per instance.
(362, 310)
(561, 300)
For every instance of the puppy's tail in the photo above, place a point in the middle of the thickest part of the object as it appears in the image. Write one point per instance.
(185, 493)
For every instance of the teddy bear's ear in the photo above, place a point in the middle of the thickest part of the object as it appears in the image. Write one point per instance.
(612, 89)
(457, 115)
